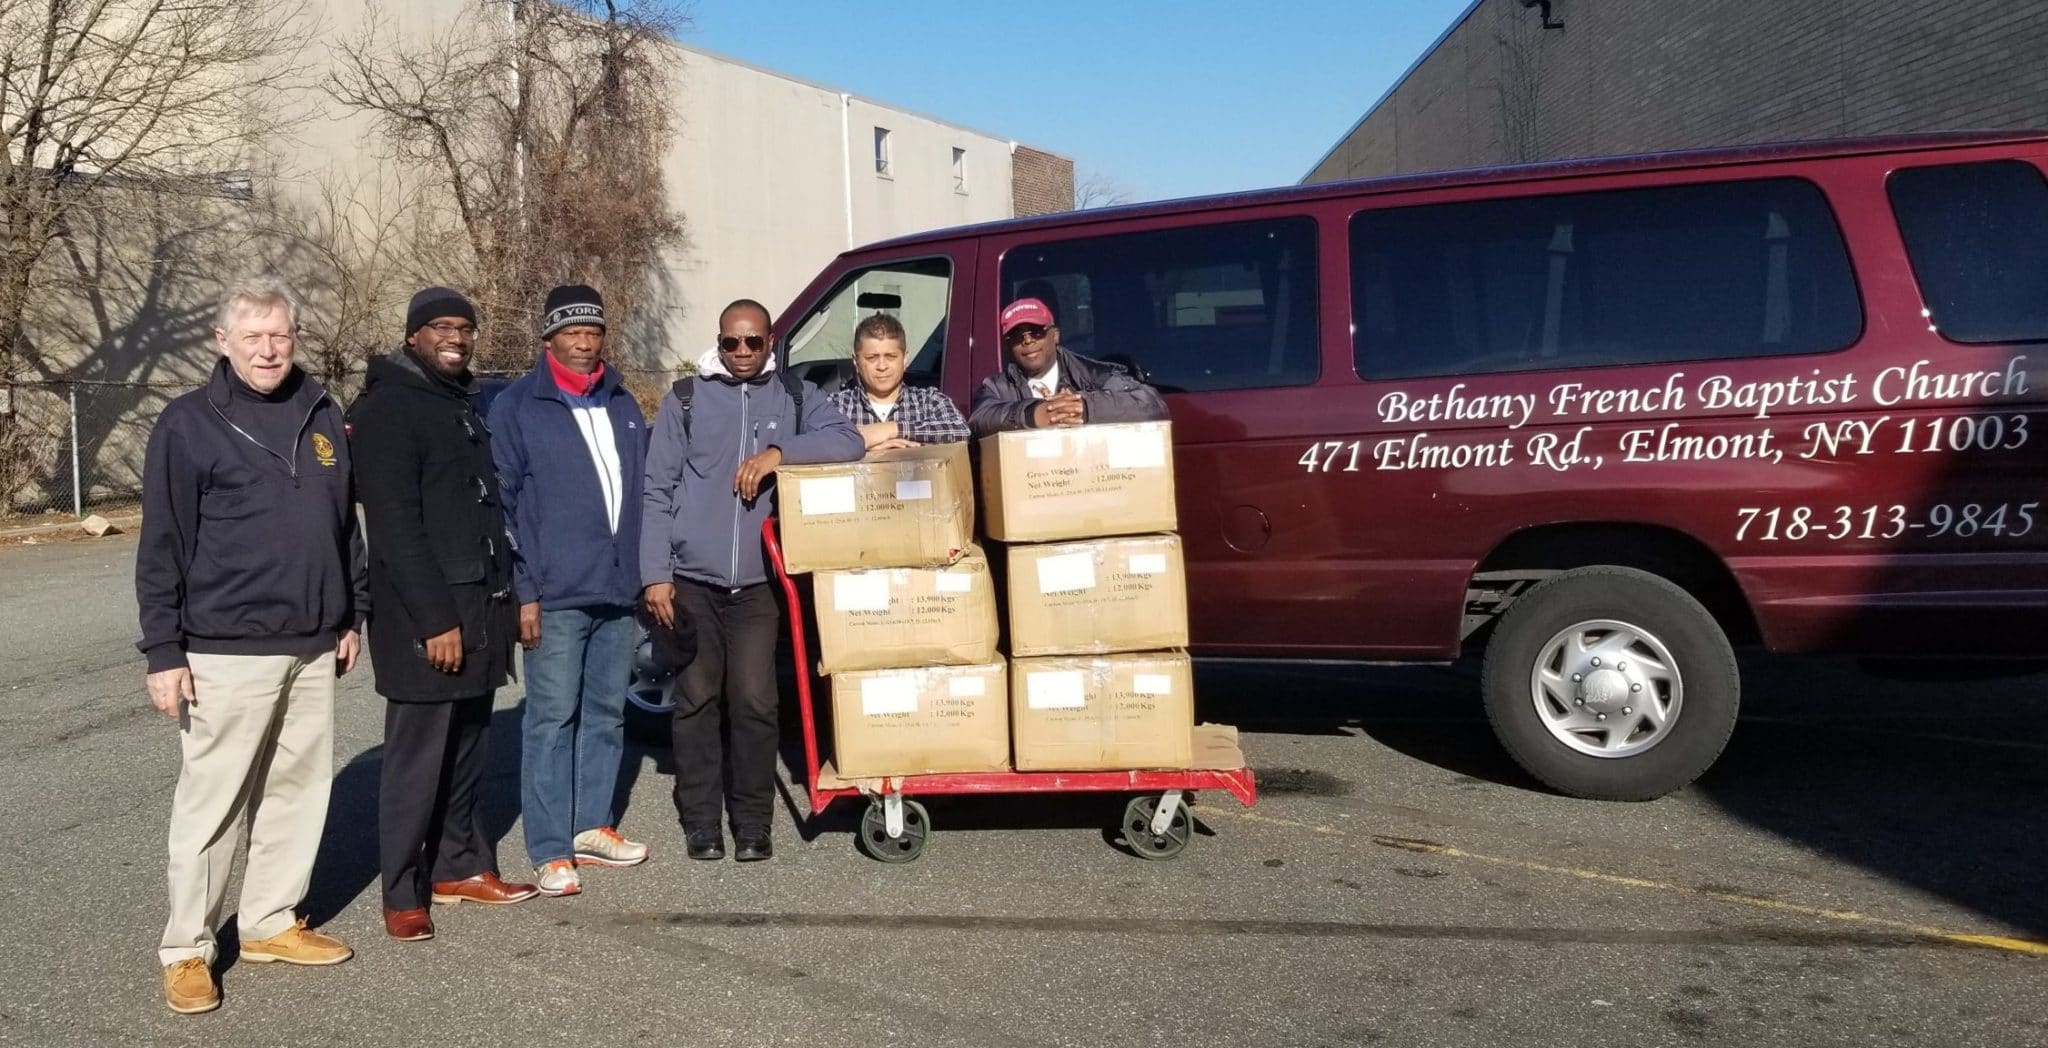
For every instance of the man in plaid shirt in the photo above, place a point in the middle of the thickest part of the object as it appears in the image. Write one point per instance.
(888, 413)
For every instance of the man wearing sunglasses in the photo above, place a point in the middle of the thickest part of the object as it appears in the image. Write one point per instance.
(441, 644)
(1044, 385)
(718, 439)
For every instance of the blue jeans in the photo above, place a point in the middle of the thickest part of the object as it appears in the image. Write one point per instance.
(574, 728)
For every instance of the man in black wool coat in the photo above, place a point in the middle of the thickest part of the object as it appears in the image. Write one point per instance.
(442, 644)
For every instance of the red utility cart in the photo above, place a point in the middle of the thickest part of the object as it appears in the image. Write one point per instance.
(1157, 822)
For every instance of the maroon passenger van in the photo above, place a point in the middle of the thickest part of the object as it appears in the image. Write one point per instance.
(1600, 420)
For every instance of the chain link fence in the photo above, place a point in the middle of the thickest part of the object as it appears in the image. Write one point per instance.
(68, 449)
(75, 448)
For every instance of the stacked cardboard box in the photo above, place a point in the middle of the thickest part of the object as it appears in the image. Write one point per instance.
(1097, 596)
(906, 611)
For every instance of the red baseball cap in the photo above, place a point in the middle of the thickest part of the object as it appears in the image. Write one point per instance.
(1025, 311)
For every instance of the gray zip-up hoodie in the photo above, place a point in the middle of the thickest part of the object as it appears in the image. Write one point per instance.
(692, 522)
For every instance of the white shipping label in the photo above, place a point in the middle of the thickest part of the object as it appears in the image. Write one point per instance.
(1145, 449)
(861, 591)
(966, 687)
(1056, 690)
(1148, 563)
(883, 696)
(955, 582)
(1066, 573)
(821, 496)
(1043, 446)
(911, 490)
(1152, 683)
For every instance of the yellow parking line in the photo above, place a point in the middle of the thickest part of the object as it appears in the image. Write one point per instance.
(1995, 942)
(2009, 944)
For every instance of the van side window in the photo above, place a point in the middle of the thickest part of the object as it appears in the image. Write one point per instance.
(1977, 235)
(915, 292)
(1213, 307)
(1636, 276)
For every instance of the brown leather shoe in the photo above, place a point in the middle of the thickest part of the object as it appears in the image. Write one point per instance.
(188, 987)
(408, 925)
(484, 887)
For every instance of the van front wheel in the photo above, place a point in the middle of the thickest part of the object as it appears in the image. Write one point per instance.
(1611, 684)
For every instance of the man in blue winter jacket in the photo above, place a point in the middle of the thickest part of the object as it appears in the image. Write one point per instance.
(571, 445)
(710, 484)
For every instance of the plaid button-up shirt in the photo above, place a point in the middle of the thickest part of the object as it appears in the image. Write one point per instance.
(922, 414)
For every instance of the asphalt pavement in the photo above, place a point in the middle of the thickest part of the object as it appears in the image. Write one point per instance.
(1865, 866)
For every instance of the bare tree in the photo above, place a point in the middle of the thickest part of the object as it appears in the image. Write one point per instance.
(1096, 189)
(112, 102)
(543, 124)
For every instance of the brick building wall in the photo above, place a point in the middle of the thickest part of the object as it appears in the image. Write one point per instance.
(1627, 76)
(1041, 183)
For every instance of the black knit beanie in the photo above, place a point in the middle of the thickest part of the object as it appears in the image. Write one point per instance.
(571, 304)
(432, 304)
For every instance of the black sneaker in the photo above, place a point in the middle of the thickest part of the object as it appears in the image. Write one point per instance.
(706, 845)
(752, 847)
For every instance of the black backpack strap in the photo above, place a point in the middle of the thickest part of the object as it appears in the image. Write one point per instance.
(795, 386)
(684, 389)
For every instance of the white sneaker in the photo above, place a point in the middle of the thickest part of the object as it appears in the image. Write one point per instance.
(557, 878)
(604, 847)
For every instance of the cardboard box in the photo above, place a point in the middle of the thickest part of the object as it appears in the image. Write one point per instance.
(1102, 712)
(1098, 596)
(913, 507)
(1078, 482)
(920, 721)
(891, 617)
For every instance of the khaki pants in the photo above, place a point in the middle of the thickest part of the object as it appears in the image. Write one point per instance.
(258, 750)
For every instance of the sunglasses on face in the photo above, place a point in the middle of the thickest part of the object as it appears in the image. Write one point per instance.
(728, 343)
(1023, 333)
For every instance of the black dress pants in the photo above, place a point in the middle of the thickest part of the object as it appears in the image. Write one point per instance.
(429, 827)
(729, 689)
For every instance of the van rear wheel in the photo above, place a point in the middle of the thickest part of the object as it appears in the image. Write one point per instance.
(1611, 683)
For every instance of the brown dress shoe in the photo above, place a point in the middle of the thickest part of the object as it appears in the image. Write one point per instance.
(408, 925)
(484, 887)
(188, 987)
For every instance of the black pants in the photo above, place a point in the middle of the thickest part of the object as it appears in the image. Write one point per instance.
(728, 688)
(428, 825)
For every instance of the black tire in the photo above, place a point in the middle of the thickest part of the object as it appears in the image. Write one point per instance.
(1698, 648)
(1137, 828)
(874, 836)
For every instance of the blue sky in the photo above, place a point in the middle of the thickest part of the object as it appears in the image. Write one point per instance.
(1165, 99)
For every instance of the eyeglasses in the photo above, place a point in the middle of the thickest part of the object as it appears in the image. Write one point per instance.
(1023, 333)
(446, 330)
(729, 343)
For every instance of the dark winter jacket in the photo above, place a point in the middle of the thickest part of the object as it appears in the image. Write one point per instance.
(247, 549)
(565, 553)
(1004, 400)
(694, 524)
(439, 553)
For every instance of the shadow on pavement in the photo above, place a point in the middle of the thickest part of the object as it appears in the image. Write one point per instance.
(347, 864)
(1930, 778)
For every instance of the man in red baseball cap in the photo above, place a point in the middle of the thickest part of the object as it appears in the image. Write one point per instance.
(1044, 385)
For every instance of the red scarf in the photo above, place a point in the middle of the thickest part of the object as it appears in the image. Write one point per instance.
(572, 383)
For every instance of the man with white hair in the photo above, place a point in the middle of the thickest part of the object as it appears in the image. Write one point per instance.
(251, 583)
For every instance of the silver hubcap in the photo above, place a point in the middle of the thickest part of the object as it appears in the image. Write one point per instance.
(1606, 688)
(648, 689)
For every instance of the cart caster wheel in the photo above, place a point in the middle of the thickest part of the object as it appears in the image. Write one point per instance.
(1138, 829)
(874, 832)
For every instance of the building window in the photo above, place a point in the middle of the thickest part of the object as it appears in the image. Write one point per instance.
(1977, 235)
(1637, 276)
(959, 170)
(882, 151)
(1227, 306)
